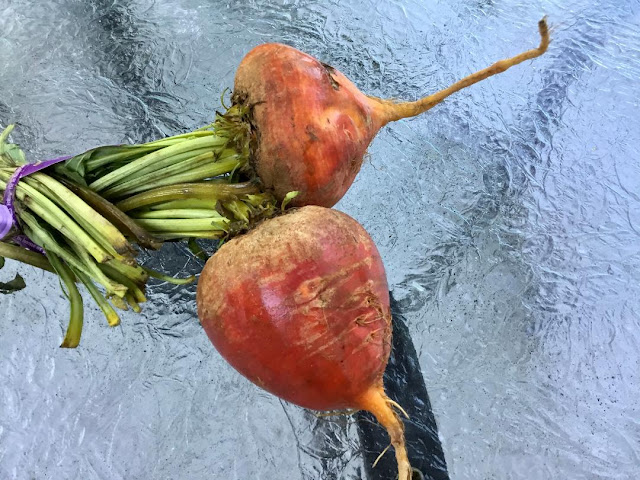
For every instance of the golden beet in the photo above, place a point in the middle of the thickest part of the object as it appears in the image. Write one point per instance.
(311, 124)
(300, 306)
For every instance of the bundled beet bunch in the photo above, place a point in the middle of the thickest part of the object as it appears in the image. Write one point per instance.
(296, 299)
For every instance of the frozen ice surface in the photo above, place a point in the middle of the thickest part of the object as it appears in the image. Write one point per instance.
(508, 218)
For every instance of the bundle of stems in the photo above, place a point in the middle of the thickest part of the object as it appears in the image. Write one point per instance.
(74, 240)
(193, 185)
(88, 212)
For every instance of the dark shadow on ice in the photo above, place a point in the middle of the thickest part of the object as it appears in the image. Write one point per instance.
(405, 384)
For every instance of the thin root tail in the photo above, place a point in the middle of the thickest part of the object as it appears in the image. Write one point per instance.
(377, 402)
(392, 111)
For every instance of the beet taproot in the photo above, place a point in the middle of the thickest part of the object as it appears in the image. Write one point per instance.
(312, 125)
(300, 306)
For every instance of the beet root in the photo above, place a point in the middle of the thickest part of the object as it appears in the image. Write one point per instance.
(300, 306)
(312, 125)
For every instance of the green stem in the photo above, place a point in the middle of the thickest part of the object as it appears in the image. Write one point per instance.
(126, 281)
(197, 250)
(180, 235)
(201, 132)
(131, 152)
(131, 300)
(201, 173)
(134, 272)
(155, 160)
(107, 235)
(187, 171)
(176, 164)
(120, 220)
(240, 210)
(43, 238)
(119, 303)
(74, 330)
(83, 262)
(126, 152)
(176, 281)
(184, 224)
(5, 135)
(113, 286)
(54, 216)
(23, 255)
(176, 213)
(181, 191)
(188, 204)
(110, 314)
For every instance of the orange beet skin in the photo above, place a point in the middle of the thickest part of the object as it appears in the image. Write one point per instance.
(300, 306)
(312, 126)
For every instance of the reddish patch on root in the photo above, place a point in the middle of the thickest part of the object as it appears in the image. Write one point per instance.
(314, 124)
(300, 306)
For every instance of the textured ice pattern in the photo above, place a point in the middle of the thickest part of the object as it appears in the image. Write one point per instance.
(508, 218)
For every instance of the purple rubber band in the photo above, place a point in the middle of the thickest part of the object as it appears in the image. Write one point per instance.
(6, 221)
(8, 217)
(26, 242)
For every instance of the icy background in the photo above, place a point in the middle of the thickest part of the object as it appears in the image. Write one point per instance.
(508, 218)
